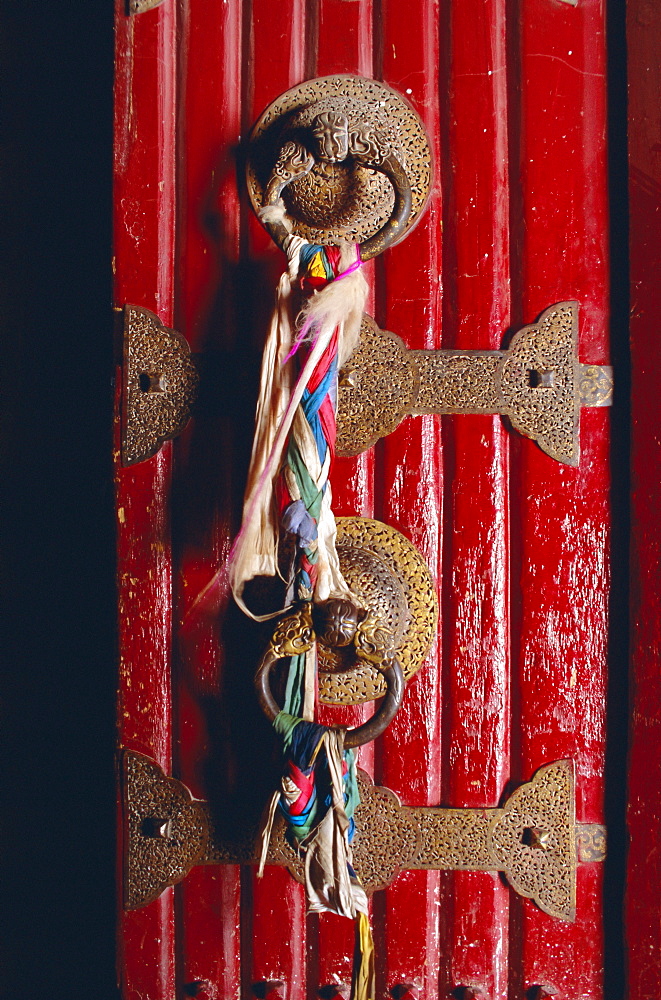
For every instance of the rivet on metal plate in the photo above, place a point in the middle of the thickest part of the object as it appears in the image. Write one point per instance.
(468, 993)
(158, 828)
(198, 988)
(543, 993)
(333, 990)
(404, 991)
(270, 989)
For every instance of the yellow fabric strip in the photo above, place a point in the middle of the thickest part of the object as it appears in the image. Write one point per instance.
(363, 984)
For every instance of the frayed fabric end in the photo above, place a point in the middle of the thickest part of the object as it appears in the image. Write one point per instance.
(275, 213)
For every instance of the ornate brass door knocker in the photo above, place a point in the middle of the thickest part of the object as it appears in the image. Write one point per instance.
(337, 623)
(350, 159)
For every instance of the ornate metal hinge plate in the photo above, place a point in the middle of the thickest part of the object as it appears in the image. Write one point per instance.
(539, 384)
(159, 386)
(533, 839)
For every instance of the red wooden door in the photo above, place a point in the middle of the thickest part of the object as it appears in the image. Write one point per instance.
(513, 99)
(642, 923)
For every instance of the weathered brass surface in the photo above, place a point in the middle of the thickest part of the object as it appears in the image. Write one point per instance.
(533, 838)
(342, 622)
(293, 634)
(160, 383)
(538, 383)
(591, 842)
(334, 148)
(166, 830)
(387, 575)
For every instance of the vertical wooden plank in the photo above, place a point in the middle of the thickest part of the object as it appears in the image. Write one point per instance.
(278, 934)
(144, 195)
(476, 581)
(209, 68)
(342, 41)
(344, 38)
(144, 248)
(562, 514)
(643, 911)
(276, 925)
(409, 497)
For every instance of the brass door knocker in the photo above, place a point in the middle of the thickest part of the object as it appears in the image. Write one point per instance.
(336, 141)
(349, 158)
(337, 623)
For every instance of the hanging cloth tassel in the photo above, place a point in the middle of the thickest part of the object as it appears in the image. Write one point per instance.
(318, 796)
(288, 490)
(287, 449)
(363, 980)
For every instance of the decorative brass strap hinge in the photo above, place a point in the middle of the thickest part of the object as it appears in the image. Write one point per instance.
(539, 384)
(159, 384)
(533, 839)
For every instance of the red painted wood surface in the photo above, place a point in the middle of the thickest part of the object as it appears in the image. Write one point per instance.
(476, 312)
(145, 200)
(513, 100)
(643, 909)
(560, 532)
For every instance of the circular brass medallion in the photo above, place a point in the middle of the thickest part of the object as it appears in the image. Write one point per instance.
(390, 578)
(343, 201)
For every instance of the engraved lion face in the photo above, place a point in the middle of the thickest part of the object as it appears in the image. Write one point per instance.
(331, 132)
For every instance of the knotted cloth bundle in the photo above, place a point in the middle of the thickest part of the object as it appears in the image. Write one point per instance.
(288, 494)
(294, 441)
(318, 796)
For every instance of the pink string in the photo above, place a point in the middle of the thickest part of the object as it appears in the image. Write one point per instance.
(352, 267)
(299, 340)
(270, 462)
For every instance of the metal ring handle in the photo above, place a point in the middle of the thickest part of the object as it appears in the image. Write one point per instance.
(295, 161)
(364, 733)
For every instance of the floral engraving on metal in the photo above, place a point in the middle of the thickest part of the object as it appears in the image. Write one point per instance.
(538, 383)
(388, 576)
(377, 388)
(293, 634)
(166, 831)
(160, 383)
(386, 842)
(532, 839)
(590, 842)
(354, 122)
(595, 385)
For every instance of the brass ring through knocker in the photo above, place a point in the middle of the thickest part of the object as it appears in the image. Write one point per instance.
(336, 623)
(349, 158)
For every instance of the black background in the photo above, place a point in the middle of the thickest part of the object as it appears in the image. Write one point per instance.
(59, 654)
